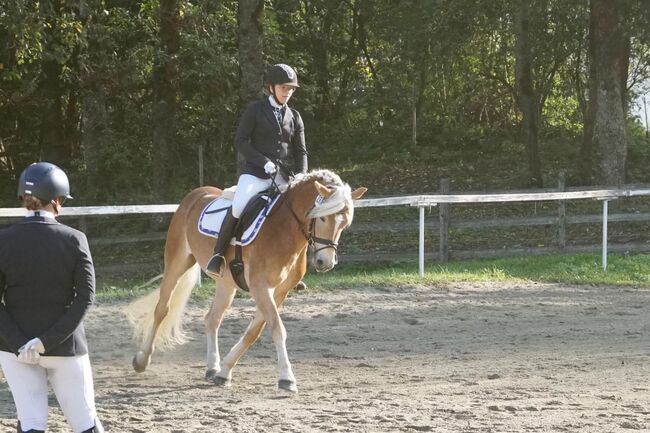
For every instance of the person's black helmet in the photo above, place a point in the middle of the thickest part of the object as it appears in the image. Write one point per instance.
(281, 74)
(44, 181)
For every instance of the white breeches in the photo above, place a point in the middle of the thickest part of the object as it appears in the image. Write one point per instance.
(249, 185)
(72, 382)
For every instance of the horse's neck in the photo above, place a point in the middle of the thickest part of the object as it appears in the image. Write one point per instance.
(289, 220)
(301, 199)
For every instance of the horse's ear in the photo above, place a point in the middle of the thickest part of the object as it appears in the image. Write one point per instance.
(359, 192)
(323, 190)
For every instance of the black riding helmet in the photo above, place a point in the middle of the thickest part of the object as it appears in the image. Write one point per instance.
(281, 74)
(44, 181)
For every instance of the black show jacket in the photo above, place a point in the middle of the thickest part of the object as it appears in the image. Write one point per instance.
(47, 282)
(260, 139)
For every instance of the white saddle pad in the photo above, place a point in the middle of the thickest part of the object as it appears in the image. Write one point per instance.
(212, 217)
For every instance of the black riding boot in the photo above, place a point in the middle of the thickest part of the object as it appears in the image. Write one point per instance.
(216, 263)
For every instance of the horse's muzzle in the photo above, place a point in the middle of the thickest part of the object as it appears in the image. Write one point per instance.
(325, 264)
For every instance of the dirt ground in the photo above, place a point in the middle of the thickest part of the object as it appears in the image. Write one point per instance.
(453, 358)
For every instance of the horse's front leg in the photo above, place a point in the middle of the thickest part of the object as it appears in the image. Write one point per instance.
(222, 300)
(252, 333)
(268, 307)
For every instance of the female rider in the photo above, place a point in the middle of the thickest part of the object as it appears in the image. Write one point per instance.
(269, 133)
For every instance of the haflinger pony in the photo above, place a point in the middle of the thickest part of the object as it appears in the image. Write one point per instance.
(317, 207)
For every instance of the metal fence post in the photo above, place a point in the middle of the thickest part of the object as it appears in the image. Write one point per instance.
(561, 212)
(605, 205)
(443, 212)
(421, 255)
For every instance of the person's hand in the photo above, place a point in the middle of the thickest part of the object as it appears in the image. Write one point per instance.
(31, 352)
(269, 167)
(28, 356)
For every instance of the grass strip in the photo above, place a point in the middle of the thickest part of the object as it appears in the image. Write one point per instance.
(622, 270)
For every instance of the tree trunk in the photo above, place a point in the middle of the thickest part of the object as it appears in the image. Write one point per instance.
(586, 155)
(94, 114)
(164, 100)
(251, 64)
(52, 138)
(527, 97)
(605, 130)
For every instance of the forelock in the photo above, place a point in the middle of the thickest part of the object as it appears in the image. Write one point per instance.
(340, 198)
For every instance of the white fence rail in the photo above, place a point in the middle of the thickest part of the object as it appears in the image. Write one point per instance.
(420, 201)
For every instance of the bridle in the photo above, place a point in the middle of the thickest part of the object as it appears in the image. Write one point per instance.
(310, 235)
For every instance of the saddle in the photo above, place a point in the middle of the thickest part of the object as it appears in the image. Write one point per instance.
(261, 201)
(254, 214)
(210, 221)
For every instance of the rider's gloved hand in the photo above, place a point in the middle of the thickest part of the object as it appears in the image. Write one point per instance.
(31, 351)
(270, 167)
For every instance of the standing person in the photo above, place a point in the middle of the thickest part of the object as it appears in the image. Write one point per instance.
(47, 283)
(269, 134)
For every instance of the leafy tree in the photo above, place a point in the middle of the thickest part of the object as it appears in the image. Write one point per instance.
(126, 94)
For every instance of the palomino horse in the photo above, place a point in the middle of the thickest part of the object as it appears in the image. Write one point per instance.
(317, 207)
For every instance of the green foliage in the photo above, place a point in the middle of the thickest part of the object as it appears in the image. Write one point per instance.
(364, 66)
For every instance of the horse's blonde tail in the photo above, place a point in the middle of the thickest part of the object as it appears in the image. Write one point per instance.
(170, 332)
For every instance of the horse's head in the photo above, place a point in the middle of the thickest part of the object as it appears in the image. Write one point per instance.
(332, 213)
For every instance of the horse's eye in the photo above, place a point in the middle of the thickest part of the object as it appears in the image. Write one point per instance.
(322, 219)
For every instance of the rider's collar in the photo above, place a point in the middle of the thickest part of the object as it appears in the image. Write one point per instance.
(40, 213)
(274, 103)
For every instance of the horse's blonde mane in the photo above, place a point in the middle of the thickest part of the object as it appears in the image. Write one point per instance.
(339, 200)
(326, 177)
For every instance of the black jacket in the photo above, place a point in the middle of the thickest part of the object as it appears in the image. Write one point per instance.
(47, 282)
(260, 139)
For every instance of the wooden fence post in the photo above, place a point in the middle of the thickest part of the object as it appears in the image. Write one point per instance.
(200, 165)
(443, 211)
(561, 211)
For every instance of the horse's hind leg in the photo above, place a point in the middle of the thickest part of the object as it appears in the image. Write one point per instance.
(174, 270)
(223, 297)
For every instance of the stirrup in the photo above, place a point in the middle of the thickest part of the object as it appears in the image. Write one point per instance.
(215, 265)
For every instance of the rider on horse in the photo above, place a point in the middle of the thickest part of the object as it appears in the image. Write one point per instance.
(271, 137)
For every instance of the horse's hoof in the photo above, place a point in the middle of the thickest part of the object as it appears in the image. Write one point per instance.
(222, 381)
(139, 367)
(211, 373)
(287, 385)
